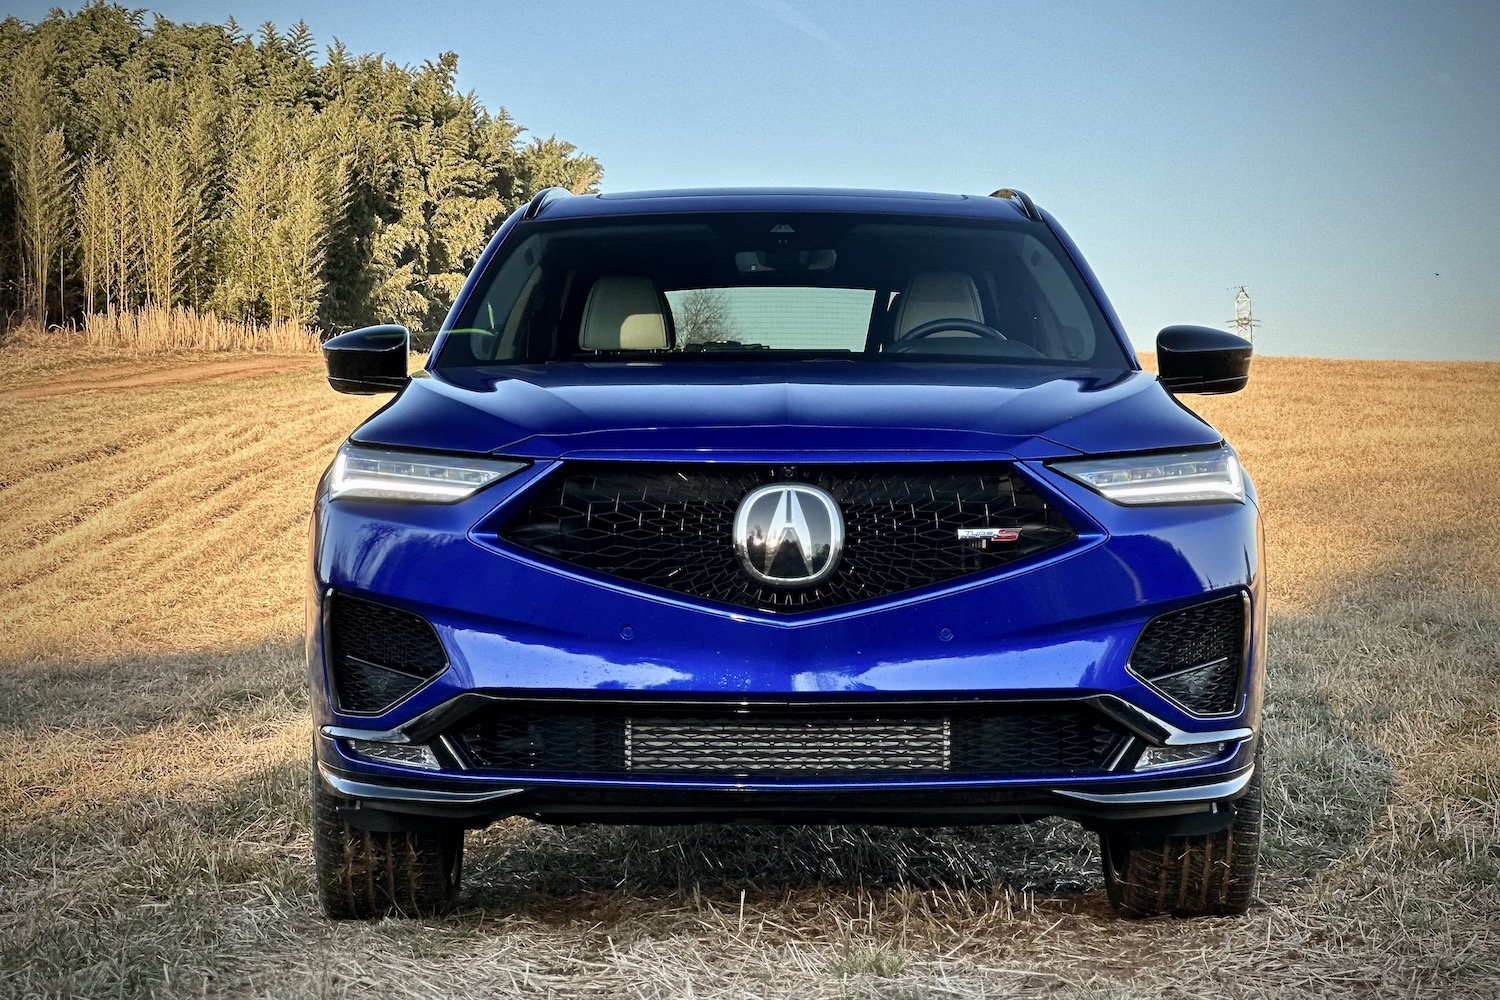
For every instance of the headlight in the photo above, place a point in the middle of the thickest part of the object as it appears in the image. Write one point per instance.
(387, 474)
(1180, 477)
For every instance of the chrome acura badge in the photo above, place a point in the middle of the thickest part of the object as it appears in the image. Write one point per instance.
(788, 534)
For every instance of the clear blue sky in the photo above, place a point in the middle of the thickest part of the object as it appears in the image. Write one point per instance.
(1342, 160)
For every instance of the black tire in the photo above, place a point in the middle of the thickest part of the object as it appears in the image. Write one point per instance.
(362, 875)
(1209, 875)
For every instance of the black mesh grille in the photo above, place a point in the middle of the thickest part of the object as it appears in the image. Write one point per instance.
(780, 741)
(379, 654)
(671, 526)
(1194, 656)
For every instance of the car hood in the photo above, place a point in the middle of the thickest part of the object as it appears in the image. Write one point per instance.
(807, 409)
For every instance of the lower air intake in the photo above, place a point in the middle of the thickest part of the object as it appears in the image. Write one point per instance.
(1196, 656)
(379, 655)
(792, 741)
(692, 745)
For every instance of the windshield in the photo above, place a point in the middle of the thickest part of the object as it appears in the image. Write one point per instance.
(779, 285)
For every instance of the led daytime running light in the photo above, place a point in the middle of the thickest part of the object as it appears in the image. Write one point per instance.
(382, 473)
(1180, 477)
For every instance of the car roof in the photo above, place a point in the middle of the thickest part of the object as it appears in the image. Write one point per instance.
(555, 203)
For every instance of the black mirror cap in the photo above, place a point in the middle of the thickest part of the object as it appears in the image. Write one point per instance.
(368, 361)
(1202, 359)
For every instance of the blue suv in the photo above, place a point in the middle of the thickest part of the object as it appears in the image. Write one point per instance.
(790, 506)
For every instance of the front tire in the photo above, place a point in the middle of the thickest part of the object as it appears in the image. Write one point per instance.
(363, 874)
(1209, 875)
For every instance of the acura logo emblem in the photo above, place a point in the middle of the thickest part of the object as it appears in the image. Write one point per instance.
(789, 535)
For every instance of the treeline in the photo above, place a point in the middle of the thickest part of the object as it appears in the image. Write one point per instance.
(147, 163)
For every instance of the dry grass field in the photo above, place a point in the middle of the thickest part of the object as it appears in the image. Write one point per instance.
(153, 745)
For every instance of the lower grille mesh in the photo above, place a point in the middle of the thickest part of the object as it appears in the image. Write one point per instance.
(774, 740)
(379, 655)
(1195, 656)
(705, 746)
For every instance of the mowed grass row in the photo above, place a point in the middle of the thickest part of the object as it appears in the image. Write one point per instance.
(153, 741)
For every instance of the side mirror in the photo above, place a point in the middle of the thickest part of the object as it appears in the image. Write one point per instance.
(368, 361)
(1202, 359)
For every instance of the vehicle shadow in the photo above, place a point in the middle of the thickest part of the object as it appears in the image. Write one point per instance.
(528, 867)
(136, 692)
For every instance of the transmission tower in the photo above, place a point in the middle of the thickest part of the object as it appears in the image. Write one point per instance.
(1243, 323)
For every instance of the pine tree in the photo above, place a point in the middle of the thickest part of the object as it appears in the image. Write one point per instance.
(551, 162)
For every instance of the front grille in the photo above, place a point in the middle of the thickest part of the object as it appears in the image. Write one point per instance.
(379, 654)
(1195, 656)
(777, 740)
(670, 526)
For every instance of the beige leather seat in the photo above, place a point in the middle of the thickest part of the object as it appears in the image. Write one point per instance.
(624, 314)
(938, 295)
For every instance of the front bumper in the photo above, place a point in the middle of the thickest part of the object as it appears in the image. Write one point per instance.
(1196, 798)
(1056, 629)
(1178, 804)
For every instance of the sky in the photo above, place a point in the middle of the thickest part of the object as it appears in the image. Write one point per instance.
(1340, 160)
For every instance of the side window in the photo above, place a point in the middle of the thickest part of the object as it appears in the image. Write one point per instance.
(497, 320)
(1070, 324)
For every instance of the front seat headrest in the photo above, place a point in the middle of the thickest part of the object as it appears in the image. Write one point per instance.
(937, 295)
(624, 314)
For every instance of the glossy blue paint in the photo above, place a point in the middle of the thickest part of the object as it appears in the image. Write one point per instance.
(1058, 626)
(806, 408)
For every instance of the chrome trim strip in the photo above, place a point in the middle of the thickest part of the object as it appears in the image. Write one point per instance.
(1181, 738)
(1197, 793)
(451, 745)
(434, 720)
(1205, 665)
(367, 791)
(1126, 745)
(1164, 733)
(368, 735)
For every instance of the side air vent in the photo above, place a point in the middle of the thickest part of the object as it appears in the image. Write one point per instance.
(1196, 657)
(379, 655)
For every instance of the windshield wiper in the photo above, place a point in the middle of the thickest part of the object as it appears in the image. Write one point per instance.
(722, 345)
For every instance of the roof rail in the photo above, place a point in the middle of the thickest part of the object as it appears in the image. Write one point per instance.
(544, 196)
(1019, 199)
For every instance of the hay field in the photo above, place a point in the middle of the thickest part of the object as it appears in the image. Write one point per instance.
(153, 734)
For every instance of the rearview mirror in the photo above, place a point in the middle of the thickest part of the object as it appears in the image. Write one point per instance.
(764, 261)
(1202, 359)
(368, 361)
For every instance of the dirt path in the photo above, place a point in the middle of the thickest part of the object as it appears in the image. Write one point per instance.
(132, 377)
